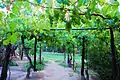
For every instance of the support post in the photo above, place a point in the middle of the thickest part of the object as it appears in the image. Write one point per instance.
(83, 56)
(114, 65)
(35, 54)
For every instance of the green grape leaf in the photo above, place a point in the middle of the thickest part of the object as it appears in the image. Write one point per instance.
(61, 25)
(105, 9)
(1, 15)
(0, 24)
(6, 42)
(116, 3)
(15, 9)
(80, 2)
(49, 2)
(13, 39)
(11, 15)
(88, 15)
(101, 2)
(12, 25)
(92, 5)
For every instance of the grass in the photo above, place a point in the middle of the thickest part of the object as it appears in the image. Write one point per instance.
(53, 57)
(58, 61)
(57, 57)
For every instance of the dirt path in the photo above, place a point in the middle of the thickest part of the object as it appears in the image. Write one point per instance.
(53, 71)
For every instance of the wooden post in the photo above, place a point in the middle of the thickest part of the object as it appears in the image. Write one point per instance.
(83, 56)
(114, 65)
(35, 54)
(6, 62)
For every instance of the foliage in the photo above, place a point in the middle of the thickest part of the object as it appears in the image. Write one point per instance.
(19, 18)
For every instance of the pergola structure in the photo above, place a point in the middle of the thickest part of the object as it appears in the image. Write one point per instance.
(114, 66)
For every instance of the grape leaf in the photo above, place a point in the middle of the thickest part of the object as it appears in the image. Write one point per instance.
(6, 42)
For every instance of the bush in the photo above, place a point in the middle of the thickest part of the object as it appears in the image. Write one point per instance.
(12, 63)
(99, 59)
(63, 64)
(38, 65)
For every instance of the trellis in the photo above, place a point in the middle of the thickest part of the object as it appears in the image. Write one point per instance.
(114, 65)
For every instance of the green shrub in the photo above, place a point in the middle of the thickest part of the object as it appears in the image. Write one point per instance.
(99, 59)
(12, 63)
(38, 65)
(63, 64)
(58, 61)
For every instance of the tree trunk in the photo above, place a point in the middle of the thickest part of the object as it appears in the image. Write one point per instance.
(40, 55)
(64, 54)
(114, 65)
(65, 57)
(73, 58)
(35, 45)
(22, 38)
(68, 59)
(30, 61)
(83, 56)
(6, 62)
(86, 71)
